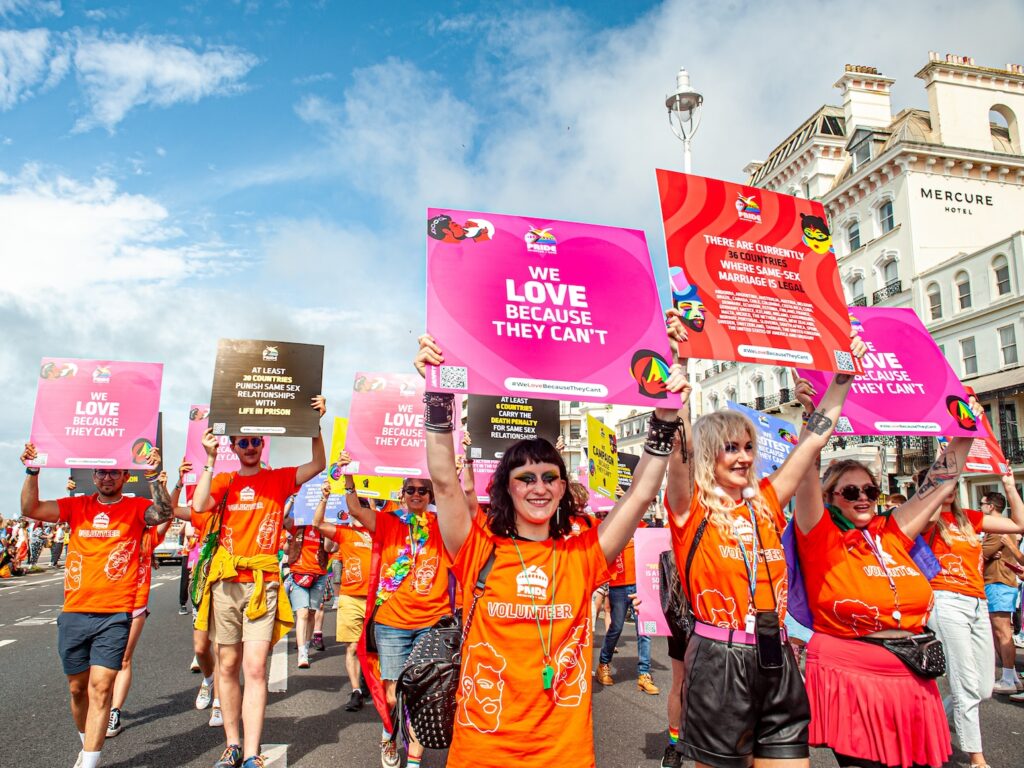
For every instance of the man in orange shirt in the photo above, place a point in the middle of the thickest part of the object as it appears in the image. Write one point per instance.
(247, 507)
(100, 584)
(355, 547)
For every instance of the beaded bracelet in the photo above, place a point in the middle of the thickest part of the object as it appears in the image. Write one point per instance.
(439, 413)
(660, 436)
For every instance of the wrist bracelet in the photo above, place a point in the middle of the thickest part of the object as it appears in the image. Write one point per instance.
(439, 413)
(178, 486)
(33, 471)
(152, 478)
(660, 436)
(207, 468)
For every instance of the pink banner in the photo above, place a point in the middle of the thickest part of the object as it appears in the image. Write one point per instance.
(227, 461)
(907, 387)
(649, 543)
(385, 426)
(548, 308)
(96, 413)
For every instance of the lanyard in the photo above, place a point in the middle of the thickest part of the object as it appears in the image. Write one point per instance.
(876, 550)
(547, 673)
(750, 565)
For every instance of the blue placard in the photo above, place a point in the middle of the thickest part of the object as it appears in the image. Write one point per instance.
(776, 438)
(309, 496)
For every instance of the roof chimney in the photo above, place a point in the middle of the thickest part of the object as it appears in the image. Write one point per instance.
(866, 98)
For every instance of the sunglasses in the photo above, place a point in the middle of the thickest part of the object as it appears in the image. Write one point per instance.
(853, 492)
(107, 472)
(245, 442)
(412, 490)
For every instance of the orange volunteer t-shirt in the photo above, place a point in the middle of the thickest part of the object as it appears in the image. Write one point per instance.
(253, 517)
(150, 541)
(422, 597)
(624, 567)
(355, 548)
(580, 523)
(962, 565)
(847, 589)
(101, 572)
(502, 709)
(719, 588)
(308, 562)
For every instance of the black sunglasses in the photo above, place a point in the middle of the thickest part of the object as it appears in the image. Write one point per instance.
(853, 492)
(412, 490)
(245, 442)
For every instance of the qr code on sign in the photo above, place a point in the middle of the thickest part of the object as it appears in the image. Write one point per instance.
(219, 428)
(844, 361)
(649, 627)
(843, 426)
(454, 377)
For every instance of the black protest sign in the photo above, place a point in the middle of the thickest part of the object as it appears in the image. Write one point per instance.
(265, 387)
(627, 466)
(497, 422)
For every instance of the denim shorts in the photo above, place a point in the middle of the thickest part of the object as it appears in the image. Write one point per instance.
(393, 648)
(308, 598)
(92, 640)
(1001, 598)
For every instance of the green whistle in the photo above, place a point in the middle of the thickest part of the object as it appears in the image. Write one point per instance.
(548, 676)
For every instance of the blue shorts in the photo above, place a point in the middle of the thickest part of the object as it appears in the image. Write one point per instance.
(92, 640)
(393, 648)
(308, 598)
(1001, 598)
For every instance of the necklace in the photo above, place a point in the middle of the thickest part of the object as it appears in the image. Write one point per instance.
(395, 573)
(547, 673)
(108, 503)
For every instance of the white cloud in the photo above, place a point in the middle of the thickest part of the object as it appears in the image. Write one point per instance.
(37, 8)
(320, 77)
(119, 73)
(27, 62)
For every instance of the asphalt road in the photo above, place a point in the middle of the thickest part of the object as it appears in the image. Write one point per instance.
(306, 725)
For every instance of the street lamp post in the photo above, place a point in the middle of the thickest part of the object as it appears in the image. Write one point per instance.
(684, 113)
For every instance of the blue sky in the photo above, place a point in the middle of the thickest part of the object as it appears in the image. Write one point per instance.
(171, 173)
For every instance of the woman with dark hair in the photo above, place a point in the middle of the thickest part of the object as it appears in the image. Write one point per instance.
(864, 586)
(525, 689)
(960, 619)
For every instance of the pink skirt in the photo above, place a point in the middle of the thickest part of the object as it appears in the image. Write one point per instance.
(865, 703)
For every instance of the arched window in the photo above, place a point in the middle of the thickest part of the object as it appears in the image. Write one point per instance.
(730, 394)
(853, 235)
(1001, 273)
(886, 217)
(759, 387)
(857, 290)
(934, 301)
(1002, 124)
(891, 272)
(783, 376)
(963, 290)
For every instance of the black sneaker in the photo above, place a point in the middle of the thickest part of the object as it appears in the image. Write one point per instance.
(318, 641)
(232, 757)
(355, 701)
(114, 726)
(672, 759)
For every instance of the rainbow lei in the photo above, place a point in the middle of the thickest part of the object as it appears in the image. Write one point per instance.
(395, 573)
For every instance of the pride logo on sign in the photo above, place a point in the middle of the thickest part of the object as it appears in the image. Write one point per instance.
(961, 411)
(650, 371)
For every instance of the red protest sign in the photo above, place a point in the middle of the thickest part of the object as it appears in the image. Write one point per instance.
(754, 275)
(986, 455)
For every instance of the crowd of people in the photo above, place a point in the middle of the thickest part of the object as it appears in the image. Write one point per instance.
(887, 600)
(23, 541)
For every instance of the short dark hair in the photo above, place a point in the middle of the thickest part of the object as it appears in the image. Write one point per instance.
(502, 515)
(996, 499)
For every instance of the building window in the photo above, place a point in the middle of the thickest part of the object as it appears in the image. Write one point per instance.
(853, 235)
(574, 431)
(857, 289)
(891, 272)
(730, 394)
(1001, 268)
(713, 402)
(1008, 344)
(861, 154)
(934, 301)
(759, 387)
(963, 290)
(970, 356)
(574, 404)
(886, 217)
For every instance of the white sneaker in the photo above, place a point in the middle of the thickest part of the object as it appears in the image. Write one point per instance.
(195, 665)
(1018, 640)
(114, 726)
(216, 716)
(303, 657)
(1003, 687)
(389, 757)
(205, 696)
(78, 762)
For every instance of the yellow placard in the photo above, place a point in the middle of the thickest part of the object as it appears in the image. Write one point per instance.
(387, 488)
(603, 455)
(338, 434)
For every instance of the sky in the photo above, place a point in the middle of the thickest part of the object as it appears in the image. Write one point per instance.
(175, 173)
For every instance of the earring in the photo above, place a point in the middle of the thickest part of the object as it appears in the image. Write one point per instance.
(749, 493)
(719, 491)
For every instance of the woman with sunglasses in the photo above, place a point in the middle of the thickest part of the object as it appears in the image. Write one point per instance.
(960, 619)
(525, 690)
(862, 585)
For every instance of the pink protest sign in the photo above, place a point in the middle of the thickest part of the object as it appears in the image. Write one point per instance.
(385, 426)
(227, 461)
(96, 413)
(541, 307)
(907, 387)
(649, 543)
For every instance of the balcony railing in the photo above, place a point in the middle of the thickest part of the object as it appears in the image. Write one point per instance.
(891, 289)
(859, 301)
(1013, 450)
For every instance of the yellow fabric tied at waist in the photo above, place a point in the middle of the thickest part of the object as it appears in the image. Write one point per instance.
(225, 566)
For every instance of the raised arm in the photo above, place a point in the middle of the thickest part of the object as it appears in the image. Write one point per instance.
(679, 486)
(306, 472)
(809, 506)
(161, 510)
(31, 506)
(453, 515)
(1013, 524)
(468, 476)
(182, 513)
(914, 515)
(327, 529)
(367, 516)
(201, 499)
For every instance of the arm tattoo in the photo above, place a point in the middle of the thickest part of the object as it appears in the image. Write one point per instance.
(819, 423)
(942, 471)
(843, 378)
(161, 510)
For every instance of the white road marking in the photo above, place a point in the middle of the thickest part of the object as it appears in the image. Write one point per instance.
(276, 755)
(154, 586)
(6, 642)
(278, 682)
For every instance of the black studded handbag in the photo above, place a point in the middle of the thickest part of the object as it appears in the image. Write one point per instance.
(922, 654)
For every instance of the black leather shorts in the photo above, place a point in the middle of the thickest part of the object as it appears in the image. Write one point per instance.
(676, 647)
(733, 711)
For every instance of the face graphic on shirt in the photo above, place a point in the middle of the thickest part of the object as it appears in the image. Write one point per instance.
(482, 688)
(863, 618)
(721, 609)
(119, 560)
(425, 572)
(265, 536)
(353, 570)
(571, 677)
(953, 569)
(73, 572)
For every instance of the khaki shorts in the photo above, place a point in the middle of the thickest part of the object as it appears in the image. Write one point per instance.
(229, 623)
(351, 612)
